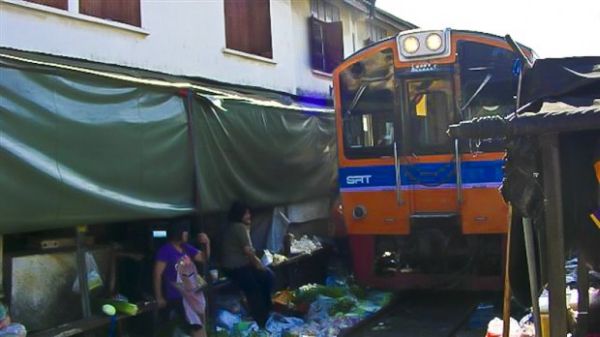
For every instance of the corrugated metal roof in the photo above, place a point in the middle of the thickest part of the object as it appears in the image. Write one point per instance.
(556, 119)
(553, 118)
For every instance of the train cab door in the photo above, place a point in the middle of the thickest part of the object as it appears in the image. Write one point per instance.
(428, 163)
(368, 138)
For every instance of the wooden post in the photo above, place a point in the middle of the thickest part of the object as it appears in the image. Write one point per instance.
(583, 303)
(1, 267)
(507, 289)
(554, 234)
(82, 271)
(533, 276)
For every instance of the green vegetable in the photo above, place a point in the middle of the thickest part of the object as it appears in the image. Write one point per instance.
(123, 307)
(309, 292)
(342, 305)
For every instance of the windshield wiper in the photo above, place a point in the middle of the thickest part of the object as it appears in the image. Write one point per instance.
(357, 96)
(362, 88)
(485, 81)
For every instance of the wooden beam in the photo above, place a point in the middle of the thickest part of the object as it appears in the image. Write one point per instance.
(554, 234)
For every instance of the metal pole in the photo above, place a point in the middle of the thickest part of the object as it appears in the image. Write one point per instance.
(459, 197)
(583, 302)
(533, 276)
(507, 290)
(398, 175)
(519, 90)
(82, 271)
(554, 234)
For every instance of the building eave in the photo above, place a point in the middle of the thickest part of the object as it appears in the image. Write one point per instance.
(393, 20)
(382, 15)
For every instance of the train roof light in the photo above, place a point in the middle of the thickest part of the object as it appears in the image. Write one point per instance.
(416, 44)
(434, 41)
(410, 44)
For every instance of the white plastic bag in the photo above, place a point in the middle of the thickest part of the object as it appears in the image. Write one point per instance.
(94, 279)
(496, 325)
(267, 258)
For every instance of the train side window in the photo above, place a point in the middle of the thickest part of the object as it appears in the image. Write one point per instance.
(367, 101)
(369, 130)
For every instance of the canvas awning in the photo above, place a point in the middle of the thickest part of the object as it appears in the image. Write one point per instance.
(86, 143)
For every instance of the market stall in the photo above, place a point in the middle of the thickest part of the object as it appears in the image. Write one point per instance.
(549, 180)
(119, 153)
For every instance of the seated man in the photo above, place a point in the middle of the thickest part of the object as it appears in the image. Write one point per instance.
(243, 267)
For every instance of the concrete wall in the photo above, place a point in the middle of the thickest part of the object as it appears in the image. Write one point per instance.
(181, 38)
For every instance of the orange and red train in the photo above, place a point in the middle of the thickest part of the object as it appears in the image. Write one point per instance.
(423, 210)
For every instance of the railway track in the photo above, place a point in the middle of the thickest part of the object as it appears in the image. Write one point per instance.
(420, 314)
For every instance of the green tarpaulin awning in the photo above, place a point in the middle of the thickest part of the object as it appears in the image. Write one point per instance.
(80, 144)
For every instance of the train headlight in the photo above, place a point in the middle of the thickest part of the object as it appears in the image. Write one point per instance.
(434, 42)
(424, 44)
(411, 44)
(359, 212)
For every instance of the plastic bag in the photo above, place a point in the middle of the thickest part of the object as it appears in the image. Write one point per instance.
(267, 258)
(93, 274)
(227, 320)
(319, 309)
(13, 330)
(278, 324)
(495, 327)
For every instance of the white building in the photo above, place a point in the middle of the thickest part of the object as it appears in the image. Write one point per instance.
(285, 45)
(290, 46)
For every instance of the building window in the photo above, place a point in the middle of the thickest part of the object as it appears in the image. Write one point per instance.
(376, 33)
(125, 11)
(60, 4)
(326, 36)
(248, 26)
(324, 11)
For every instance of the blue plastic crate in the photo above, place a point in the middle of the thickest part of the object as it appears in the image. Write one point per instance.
(481, 316)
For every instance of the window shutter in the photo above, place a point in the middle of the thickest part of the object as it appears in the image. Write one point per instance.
(259, 31)
(60, 4)
(125, 11)
(334, 42)
(236, 22)
(248, 26)
(317, 44)
(130, 12)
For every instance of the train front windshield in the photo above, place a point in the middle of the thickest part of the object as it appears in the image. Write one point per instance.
(430, 108)
(382, 105)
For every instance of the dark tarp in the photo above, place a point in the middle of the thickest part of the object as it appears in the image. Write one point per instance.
(262, 154)
(572, 80)
(558, 118)
(81, 145)
(557, 95)
(80, 150)
(554, 117)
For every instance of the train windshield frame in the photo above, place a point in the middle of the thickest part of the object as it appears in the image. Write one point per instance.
(377, 112)
(488, 84)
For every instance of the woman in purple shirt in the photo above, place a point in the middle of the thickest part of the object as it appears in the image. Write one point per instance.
(168, 273)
